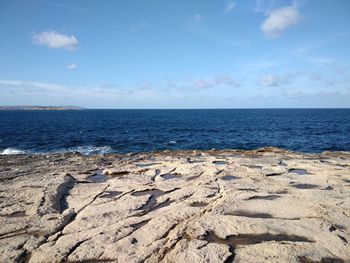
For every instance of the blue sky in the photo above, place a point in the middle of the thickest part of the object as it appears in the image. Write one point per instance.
(175, 54)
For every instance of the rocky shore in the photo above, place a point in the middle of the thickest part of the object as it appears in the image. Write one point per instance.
(267, 205)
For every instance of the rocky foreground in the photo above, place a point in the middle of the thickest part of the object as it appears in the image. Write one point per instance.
(267, 205)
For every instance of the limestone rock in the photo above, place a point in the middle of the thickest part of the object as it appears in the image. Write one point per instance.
(267, 205)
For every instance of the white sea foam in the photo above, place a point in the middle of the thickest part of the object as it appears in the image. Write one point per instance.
(172, 142)
(12, 151)
(87, 150)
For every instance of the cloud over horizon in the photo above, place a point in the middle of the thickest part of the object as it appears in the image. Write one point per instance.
(270, 81)
(221, 80)
(39, 85)
(53, 39)
(277, 80)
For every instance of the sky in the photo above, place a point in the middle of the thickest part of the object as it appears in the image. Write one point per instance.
(175, 54)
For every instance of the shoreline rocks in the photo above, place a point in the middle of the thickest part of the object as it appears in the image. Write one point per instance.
(267, 205)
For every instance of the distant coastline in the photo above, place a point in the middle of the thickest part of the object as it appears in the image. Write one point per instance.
(40, 108)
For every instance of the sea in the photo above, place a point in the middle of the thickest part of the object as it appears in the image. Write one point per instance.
(126, 131)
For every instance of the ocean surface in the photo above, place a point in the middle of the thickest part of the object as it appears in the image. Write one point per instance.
(123, 131)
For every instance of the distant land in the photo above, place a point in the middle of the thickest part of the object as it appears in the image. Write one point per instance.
(40, 108)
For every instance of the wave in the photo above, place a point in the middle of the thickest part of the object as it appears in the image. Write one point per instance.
(85, 150)
(88, 150)
(12, 151)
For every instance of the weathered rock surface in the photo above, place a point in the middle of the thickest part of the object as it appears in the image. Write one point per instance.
(187, 206)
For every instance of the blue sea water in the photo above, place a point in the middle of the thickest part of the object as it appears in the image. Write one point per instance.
(122, 131)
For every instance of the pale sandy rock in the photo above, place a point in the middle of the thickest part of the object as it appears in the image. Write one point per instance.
(267, 205)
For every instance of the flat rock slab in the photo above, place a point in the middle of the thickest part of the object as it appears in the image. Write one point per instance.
(267, 205)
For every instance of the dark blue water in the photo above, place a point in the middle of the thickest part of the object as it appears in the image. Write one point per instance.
(103, 131)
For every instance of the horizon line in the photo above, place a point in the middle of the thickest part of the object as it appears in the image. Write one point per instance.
(219, 108)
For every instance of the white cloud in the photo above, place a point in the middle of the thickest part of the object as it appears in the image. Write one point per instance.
(230, 6)
(43, 88)
(38, 85)
(222, 80)
(198, 17)
(279, 20)
(270, 81)
(53, 39)
(72, 66)
(285, 78)
(227, 81)
(203, 84)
